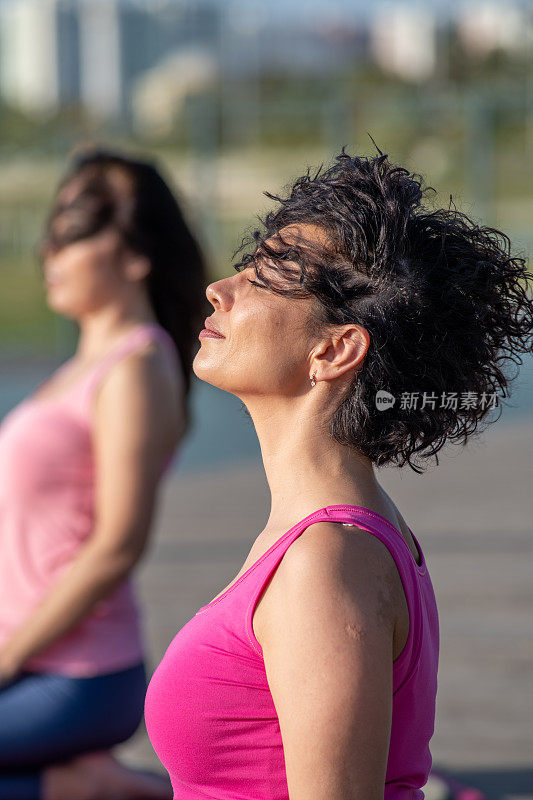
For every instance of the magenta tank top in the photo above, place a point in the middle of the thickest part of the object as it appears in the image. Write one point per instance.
(209, 711)
(47, 484)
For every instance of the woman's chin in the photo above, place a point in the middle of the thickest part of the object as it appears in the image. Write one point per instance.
(64, 309)
(54, 304)
(208, 373)
(60, 308)
(200, 368)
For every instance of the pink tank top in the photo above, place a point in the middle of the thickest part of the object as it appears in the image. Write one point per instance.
(47, 512)
(209, 711)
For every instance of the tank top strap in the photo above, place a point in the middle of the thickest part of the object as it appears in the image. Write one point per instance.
(378, 526)
(134, 340)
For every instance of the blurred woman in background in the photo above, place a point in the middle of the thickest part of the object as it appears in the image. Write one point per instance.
(80, 464)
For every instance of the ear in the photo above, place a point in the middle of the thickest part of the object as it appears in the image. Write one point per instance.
(136, 268)
(340, 353)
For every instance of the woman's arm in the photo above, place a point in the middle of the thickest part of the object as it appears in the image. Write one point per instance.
(327, 638)
(136, 422)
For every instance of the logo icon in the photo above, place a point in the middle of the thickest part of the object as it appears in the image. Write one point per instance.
(384, 400)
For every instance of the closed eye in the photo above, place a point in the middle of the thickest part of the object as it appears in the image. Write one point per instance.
(259, 285)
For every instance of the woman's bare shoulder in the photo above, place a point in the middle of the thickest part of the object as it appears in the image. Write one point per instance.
(327, 547)
(345, 569)
(146, 379)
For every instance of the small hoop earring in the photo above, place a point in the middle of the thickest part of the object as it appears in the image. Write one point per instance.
(313, 380)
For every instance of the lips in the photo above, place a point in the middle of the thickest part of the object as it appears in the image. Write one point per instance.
(212, 329)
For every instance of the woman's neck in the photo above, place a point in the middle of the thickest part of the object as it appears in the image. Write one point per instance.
(305, 468)
(100, 329)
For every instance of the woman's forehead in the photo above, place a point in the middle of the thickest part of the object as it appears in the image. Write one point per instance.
(304, 236)
(301, 233)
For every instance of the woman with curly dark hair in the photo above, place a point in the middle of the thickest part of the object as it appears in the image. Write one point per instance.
(313, 675)
(81, 460)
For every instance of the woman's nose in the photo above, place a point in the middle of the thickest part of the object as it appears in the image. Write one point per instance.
(219, 293)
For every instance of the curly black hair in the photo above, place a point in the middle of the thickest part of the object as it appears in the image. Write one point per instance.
(444, 301)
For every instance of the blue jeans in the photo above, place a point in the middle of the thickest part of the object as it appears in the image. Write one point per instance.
(46, 718)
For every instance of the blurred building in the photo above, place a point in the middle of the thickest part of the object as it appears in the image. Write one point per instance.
(403, 39)
(116, 59)
(39, 43)
(103, 83)
(487, 26)
(257, 42)
(90, 53)
(160, 93)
